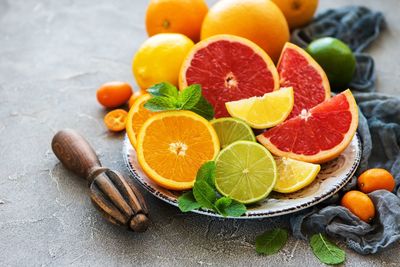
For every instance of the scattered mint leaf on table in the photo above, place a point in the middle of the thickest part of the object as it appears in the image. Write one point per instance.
(163, 89)
(187, 202)
(166, 96)
(189, 97)
(326, 251)
(271, 241)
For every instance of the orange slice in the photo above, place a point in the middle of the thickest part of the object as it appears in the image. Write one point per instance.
(137, 115)
(171, 147)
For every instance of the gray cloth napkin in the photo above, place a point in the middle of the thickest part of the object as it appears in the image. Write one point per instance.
(379, 129)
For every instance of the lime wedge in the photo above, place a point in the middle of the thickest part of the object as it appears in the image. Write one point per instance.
(294, 175)
(245, 172)
(265, 111)
(230, 130)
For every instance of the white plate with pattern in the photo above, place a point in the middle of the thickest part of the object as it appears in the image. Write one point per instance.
(332, 177)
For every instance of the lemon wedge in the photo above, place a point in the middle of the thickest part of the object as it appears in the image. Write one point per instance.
(294, 174)
(264, 111)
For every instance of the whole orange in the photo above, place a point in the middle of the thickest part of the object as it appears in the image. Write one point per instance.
(375, 179)
(176, 16)
(359, 204)
(260, 21)
(297, 12)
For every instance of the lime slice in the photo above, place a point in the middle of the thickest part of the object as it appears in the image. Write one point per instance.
(294, 175)
(245, 171)
(265, 111)
(230, 130)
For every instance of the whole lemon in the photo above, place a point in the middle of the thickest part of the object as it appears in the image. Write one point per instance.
(260, 21)
(159, 59)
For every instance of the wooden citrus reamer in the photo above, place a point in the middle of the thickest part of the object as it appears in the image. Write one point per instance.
(112, 194)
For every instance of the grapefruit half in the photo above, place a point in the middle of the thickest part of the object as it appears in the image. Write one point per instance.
(317, 135)
(299, 70)
(228, 68)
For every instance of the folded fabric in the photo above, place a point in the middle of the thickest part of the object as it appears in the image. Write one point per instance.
(379, 129)
(357, 27)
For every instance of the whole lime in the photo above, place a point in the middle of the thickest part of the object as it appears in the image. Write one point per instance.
(336, 58)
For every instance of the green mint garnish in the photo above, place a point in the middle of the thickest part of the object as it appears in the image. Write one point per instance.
(326, 251)
(165, 96)
(204, 195)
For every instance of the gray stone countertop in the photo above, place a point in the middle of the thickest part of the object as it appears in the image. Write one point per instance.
(53, 56)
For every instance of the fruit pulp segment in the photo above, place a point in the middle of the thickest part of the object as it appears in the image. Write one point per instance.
(295, 71)
(228, 71)
(176, 147)
(245, 172)
(322, 128)
(140, 117)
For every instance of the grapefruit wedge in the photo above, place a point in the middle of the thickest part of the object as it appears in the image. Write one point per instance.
(228, 68)
(317, 135)
(299, 70)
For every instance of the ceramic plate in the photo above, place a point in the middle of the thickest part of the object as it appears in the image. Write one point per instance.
(332, 177)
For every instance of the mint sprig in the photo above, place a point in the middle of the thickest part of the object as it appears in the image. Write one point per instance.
(204, 195)
(166, 96)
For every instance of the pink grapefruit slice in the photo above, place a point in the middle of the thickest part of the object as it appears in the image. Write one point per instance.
(317, 135)
(299, 70)
(228, 68)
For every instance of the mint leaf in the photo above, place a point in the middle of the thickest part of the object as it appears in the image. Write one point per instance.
(271, 241)
(204, 109)
(189, 97)
(235, 209)
(326, 251)
(187, 202)
(204, 194)
(163, 89)
(221, 204)
(207, 173)
(160, 103)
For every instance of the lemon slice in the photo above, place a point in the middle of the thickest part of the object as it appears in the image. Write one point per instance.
(265, 111)
(294, 175)
(245, 172)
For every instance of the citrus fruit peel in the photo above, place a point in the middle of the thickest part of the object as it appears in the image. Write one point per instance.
(137, 115)
(230, 130)
(317, 135)
(228, 68)
(245, 171)
(265, 111)
(310, 84)
(294, 175)
(171, 147)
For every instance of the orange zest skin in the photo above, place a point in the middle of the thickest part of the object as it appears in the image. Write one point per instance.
(115, 120)
(324, 155)
(137, 115)
(171, 147)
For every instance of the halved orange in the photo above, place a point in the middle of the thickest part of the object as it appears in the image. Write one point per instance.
(171, 147)
(137, 115)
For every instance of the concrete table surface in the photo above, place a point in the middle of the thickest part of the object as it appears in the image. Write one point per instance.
(53, 56)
